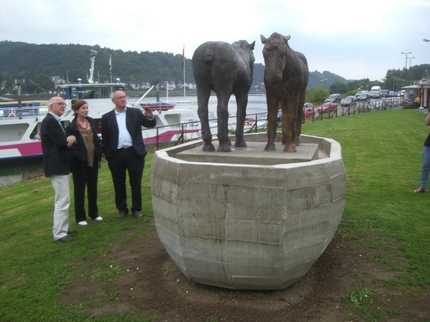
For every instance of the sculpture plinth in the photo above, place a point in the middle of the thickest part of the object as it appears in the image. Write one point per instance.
(248, 219)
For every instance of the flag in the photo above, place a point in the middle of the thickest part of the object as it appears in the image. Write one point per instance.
(183, 57)
(110, 64)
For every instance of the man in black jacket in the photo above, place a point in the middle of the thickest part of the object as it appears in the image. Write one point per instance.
(125, 150)
(56, 165)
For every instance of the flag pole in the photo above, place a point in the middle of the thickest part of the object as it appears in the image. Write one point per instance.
(183, 66)
(110, 67)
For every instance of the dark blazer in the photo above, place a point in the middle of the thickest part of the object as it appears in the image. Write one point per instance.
(135, 119)
(56, 154)
(79, 151)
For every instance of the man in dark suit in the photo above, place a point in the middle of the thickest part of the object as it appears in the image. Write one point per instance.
(56, 165)
(125, 150)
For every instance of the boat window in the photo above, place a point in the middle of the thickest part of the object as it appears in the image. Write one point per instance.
(91, 94)
(12, 132)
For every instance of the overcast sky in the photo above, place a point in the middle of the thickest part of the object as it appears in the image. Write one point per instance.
(355, 40)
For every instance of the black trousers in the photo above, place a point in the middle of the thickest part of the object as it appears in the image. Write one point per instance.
(85, 178)
(123, 161)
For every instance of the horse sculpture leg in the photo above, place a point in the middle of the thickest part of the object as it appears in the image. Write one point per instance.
(299, 122)
(242, 102)
(222, 112)
(289, 118)
(272, 121)
(202, 102)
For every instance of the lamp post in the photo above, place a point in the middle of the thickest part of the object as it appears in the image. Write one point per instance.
(427, 76)
(410, 69)
(406, 58)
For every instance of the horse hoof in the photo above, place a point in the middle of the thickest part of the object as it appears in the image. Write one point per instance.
(224, 148)
(208, 148)
(240, 144)
(270, 147)
(290, 148)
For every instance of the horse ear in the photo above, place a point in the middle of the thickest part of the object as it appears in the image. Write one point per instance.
(286, 38)
(263, 39)
(252, 45)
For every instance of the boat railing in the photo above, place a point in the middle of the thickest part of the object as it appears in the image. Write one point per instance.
(185, 104)
(12, 113)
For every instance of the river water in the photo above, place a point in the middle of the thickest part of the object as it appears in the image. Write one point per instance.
(256, 103)
(15, 170)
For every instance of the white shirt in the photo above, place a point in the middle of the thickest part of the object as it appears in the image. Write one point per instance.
(58, 120)
(124, 137)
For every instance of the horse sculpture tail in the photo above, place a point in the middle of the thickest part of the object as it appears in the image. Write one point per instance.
(208, 56)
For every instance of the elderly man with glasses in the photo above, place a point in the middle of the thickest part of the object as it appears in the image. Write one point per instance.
(56, 165)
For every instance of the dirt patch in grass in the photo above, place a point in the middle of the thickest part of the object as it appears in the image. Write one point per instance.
(347, 283)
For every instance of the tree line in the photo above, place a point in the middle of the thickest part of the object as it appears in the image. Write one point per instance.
(33, 66)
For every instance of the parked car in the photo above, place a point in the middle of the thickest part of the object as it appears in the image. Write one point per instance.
(333, 98)
(363, 97)
(309, 111)
(375, 94)
(361, 93)
(347, 101)
(327, 106)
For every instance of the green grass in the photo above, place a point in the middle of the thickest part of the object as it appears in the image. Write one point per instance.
(382, 157)
(35, 270)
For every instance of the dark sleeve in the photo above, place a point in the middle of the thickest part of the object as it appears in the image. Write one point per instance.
(55, 133)
(146, 122)
(105, 133)
(69, 130)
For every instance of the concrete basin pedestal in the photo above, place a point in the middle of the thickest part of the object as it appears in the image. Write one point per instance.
(248, 219)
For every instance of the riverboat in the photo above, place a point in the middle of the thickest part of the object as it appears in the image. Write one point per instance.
(20, 125)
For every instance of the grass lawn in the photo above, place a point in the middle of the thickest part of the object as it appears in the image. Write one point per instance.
(382, 157)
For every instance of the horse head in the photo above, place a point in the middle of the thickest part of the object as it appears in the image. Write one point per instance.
(246, 50)
(275, 52)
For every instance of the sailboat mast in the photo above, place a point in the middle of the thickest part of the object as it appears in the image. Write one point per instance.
(92, 59)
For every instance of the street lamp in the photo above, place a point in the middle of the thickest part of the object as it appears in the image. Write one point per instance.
(406, 58)
(410, 68)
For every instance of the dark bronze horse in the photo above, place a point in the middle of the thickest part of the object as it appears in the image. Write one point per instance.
(286, 76)
(225, 69)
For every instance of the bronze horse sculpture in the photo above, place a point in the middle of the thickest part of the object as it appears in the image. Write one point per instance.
(226, 69)
(286, 76)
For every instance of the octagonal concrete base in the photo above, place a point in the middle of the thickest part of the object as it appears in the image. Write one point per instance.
(248, 219)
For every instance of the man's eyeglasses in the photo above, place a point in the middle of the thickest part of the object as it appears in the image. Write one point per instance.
(62, 104)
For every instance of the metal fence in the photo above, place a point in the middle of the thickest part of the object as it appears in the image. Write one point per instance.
(356, 108)
(260, 120)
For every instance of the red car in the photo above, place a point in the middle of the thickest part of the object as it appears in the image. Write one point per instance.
(327, 106)
(309, 111)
